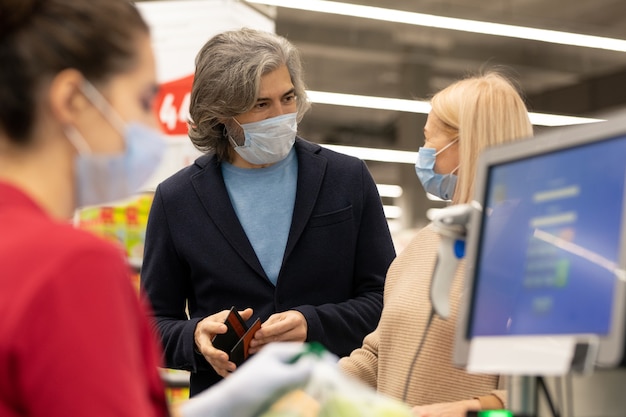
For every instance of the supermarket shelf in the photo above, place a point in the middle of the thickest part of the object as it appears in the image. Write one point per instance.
(135, 263)
(174, 378)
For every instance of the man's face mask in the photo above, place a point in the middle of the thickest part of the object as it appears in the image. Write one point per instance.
(267, 141)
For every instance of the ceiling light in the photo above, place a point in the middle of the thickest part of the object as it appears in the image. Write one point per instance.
(392, 212)
(375, 154)
(417, 106)
(441, 22)
(544, 119)
(389, 190)
(384, 103)
(433, 197)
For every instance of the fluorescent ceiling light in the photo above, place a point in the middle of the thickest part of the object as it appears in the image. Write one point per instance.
(375, 154)
(441, 22)
(384, 103)
(544, 119)
(389, 190)
(416, 106)
(392, 212)
(433, 197)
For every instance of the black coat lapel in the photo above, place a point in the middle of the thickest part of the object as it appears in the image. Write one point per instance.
(209, 185)
(311, 169)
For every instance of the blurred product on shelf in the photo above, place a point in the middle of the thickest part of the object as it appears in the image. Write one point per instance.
(176, 385)
(123, 224)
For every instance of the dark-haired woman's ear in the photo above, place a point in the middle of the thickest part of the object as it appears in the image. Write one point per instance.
(66, 100)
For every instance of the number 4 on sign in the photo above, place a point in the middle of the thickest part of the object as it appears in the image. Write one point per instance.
(170, 114)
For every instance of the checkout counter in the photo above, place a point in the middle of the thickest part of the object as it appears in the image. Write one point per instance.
(544, 243)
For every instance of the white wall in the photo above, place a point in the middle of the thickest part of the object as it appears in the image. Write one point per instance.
(179, 29)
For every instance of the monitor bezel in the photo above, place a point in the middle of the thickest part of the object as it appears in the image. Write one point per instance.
(609, 351)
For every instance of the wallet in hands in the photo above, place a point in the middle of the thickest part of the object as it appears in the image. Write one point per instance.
(236, 340)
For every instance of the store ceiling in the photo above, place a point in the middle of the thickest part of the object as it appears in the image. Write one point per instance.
(368, 57)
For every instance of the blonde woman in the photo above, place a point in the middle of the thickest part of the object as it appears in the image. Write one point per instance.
(466, 117)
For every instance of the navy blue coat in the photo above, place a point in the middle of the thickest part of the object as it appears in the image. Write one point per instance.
(338, 251)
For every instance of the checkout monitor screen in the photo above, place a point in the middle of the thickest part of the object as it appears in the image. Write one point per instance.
(550, 242)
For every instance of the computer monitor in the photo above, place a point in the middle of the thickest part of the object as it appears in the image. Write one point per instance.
(546, 253)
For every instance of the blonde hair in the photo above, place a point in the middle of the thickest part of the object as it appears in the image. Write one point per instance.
(483, 110)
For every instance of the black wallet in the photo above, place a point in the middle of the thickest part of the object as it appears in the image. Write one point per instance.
(236, 340)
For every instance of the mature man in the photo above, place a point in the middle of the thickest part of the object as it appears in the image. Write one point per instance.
(278, 227)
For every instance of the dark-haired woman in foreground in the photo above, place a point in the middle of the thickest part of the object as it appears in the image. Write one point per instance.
(77, 80)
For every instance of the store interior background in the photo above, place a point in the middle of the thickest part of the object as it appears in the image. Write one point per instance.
(369, 57)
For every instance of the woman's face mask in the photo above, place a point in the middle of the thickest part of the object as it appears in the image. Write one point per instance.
(440, 185)
(105, 178)
(267, 141)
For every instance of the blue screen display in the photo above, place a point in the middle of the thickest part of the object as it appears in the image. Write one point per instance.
(550, 243)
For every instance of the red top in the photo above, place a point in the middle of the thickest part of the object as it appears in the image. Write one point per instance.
(74, 337)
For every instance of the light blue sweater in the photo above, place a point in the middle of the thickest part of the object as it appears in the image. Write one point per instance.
(263, 199)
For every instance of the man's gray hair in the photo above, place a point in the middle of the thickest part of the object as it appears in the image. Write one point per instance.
(227, 80)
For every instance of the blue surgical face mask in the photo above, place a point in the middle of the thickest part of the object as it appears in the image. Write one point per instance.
(269, 140)
(439, 185)
(104, 178)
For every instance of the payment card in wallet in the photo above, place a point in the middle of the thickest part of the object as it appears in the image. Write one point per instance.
(236, 340)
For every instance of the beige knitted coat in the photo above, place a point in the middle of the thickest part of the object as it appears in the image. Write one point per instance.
(385, 357)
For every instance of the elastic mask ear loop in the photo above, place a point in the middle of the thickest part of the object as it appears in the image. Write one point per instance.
(231, 140)
(101, 103)
(447, 146)
(454, 171)
(229, 136)
(77, 140)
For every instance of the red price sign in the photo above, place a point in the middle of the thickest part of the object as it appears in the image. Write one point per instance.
(172, 105)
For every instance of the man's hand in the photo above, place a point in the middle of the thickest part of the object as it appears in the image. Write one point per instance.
(289, 326)
(455, 409)
(206, 329)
